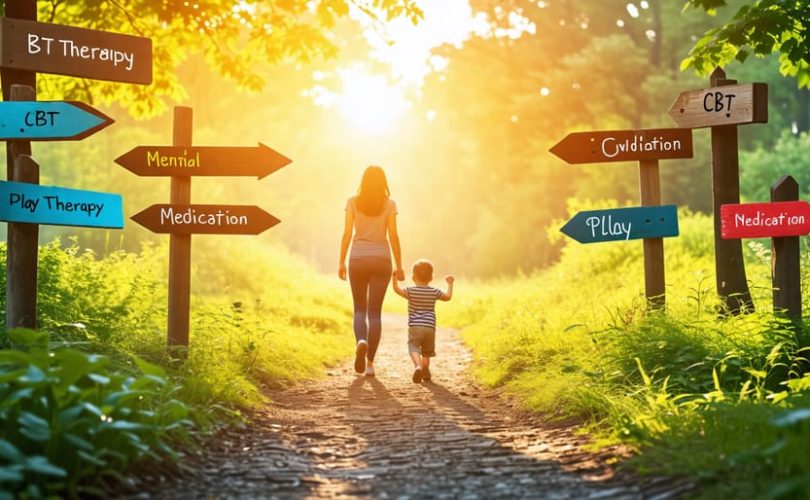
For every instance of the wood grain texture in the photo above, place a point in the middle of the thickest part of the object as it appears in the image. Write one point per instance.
(180, 244)
(66, 54)
(654, 270)
(786, 258)
(722, 105)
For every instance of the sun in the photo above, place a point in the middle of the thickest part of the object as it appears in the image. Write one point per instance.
(369, 102)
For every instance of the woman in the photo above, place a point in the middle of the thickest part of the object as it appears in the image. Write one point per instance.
(372, 217)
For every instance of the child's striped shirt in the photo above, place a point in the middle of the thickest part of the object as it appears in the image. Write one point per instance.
(421, 305)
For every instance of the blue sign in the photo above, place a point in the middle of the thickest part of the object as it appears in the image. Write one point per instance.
(594, 226)
(49, 120)
(56, 206)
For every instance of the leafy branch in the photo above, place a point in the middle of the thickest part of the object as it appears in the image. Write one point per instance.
(761, 28)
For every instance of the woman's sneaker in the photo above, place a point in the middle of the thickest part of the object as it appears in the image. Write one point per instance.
(417, 376)
(425, 374)
(360, 356)
(369, 371)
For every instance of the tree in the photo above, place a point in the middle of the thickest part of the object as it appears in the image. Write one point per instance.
(761, 28)
(235, 38)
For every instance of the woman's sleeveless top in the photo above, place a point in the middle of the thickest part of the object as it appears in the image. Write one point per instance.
(370, 232)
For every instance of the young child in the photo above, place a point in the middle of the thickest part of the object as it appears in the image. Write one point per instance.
(422, 316)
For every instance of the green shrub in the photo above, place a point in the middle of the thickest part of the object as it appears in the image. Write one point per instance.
(69, 420)
(259, 317)
(694, 392)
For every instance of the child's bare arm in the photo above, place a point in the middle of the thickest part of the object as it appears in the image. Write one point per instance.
(399, 291)
(447, 295)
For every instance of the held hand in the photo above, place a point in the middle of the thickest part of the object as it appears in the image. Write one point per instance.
(399, 275)
(342, 272)
(449, 279)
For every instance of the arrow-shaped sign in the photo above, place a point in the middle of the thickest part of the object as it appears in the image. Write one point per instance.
(205, 219)
(726, 105)
(625, 145)
(49, 120)
(57, 206)
(594, 226)
(175, 161)
(765, 220)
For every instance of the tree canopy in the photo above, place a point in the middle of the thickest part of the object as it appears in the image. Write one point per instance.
(236, 39)
(761, 28)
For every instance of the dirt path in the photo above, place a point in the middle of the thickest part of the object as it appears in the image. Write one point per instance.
(387, 437)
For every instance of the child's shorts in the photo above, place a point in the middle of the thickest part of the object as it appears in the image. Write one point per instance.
(422, 340)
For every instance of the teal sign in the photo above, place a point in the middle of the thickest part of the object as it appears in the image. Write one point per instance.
(49, 120)
(56, 206)
(594, 226)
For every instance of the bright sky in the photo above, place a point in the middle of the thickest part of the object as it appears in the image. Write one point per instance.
(373, 101)
(445, 21)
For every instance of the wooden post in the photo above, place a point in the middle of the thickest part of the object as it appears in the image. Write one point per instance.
(21, 258)
(22, 239)
(654, 283)
(20, 9)
(180, 244)
(785, 258)
(732, 285)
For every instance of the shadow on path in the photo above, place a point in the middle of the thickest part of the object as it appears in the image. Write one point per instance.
(384, 436)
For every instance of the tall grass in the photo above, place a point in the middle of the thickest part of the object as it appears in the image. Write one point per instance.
(719, 398)
(260, 318)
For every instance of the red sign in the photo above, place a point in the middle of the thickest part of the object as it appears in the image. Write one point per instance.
(765, 220)
(625, 145)
(205, 219)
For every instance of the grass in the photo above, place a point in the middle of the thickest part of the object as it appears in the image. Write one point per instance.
(260, 318)
(720, 399)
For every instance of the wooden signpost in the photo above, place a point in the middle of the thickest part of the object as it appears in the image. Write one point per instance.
(28, 47)
(617, 224)
(722, 107)
(50, 120)
(65, 50)
(625, 145)
(783, 220)
(180, 219)
(646, 147)
(205, 219)
(725, 105)
(173, 161)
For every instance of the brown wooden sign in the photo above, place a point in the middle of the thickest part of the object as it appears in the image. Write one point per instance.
(176, 161)
(625, 145)
(205, 219)
(726, 105)
(65, 50)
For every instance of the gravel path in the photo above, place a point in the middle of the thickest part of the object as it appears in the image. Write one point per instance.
(386, 437)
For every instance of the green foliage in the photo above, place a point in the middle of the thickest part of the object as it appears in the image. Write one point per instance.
(260, 318)
(590, 65)
(761, 168)
(759, 28)
(236, 40)
(724, 400)
(70, 421)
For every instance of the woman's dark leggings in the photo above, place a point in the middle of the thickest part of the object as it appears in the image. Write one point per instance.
(369, 277)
